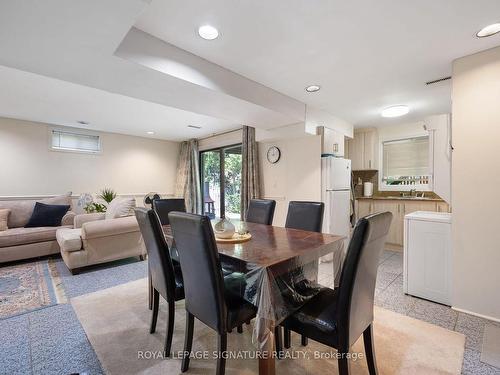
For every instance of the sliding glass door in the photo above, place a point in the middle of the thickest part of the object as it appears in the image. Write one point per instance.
(221, 182)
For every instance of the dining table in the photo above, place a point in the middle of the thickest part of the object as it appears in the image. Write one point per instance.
(281, 274)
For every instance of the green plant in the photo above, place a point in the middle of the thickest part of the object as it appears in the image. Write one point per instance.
(107, 195)
(94, 207)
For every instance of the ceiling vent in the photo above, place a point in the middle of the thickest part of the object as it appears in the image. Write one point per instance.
(438, 80)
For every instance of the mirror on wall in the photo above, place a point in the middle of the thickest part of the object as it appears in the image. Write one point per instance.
(405, 164)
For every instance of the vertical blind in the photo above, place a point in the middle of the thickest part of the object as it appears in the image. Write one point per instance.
(407, 157)
(69, 141)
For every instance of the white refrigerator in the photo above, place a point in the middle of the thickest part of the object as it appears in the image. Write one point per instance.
(336, 194)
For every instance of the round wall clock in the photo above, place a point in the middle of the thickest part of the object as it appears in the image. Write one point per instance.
(273, 154)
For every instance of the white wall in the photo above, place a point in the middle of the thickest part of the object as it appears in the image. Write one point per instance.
(475, 181)
(130, 165)
(296, 176)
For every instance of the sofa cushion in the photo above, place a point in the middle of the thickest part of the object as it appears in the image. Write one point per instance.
(22, 236)
(69, 239)
(21, 210)
(47, 215)
(120, 207)
(4, 216)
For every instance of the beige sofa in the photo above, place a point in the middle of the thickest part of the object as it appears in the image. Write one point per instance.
(96, 239)
(18, 242)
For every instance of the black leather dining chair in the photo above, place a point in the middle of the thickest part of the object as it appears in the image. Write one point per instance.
(261, 211)
(308, 216)
(338, 317)
(305, 215)
(164, 206)
(166, 277)
(213, 299)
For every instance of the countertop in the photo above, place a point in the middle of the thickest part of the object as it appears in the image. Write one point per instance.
(391, 198)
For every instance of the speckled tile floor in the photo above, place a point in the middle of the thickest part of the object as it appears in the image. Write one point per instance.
(52, 341)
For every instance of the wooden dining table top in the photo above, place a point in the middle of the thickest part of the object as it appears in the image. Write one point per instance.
(271, 245)
(280, 250)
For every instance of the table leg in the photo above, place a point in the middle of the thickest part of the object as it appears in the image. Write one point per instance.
(267, 362)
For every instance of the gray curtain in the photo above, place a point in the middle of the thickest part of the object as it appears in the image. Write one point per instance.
(250, 179)
(188, 176)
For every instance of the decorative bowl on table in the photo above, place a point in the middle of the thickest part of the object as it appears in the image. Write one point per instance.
(224, 229)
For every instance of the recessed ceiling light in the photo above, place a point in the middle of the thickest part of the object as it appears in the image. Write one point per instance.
(313, 88)
(489, 30)
(208, 32)
(150, 133)
(395, 111)
(83, 122)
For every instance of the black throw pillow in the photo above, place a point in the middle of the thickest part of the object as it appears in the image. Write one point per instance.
(47, 215)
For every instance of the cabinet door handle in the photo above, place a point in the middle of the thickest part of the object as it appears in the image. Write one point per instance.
(369, 164)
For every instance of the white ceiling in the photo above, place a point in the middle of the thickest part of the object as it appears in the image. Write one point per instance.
(365, 54)
(33, 97)
(59, 61)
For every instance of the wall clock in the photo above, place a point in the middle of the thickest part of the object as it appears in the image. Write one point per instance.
(273, 154)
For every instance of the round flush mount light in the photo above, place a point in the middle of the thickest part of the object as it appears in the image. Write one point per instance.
(489, 30)
(150, 133)
(395, 111)
(313, 88)
(208, 32)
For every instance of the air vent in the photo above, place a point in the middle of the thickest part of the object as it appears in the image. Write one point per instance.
(438, 80)
(194, 126)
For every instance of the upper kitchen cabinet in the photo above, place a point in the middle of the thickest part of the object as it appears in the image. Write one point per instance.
(332, 141)
(439, 128)
(363, 149)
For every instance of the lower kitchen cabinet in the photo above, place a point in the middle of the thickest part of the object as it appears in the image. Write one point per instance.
(399, 208)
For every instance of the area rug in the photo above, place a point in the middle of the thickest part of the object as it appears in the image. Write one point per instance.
(28, 286)
(116, 321)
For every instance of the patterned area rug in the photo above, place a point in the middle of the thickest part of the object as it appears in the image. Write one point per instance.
(29, 286)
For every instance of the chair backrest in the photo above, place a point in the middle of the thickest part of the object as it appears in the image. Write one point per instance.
(359, 275)
(201, 269)
(261, 211)
(305, 216)
(164, 206)
(159, 260)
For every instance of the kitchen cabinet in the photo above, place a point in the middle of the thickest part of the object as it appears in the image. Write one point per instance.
(362, 149)
(395, 235)
(332, 142)
(399, 208)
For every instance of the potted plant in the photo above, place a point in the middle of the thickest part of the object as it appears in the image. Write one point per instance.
(107, 195)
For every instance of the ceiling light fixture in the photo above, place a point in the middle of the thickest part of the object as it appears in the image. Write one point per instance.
(395, 111)
(208, 32)
(489, 30)
(150, 133)
(313, 88)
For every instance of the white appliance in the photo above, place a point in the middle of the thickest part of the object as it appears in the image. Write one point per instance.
(428, 256)
(336, 194)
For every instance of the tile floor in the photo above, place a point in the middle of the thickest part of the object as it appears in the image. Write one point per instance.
(52, 341)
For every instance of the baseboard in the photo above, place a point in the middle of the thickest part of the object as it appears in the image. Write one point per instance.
(476, 314)
(393, 247)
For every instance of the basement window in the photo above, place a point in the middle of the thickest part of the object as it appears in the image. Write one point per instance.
(74, 141)
(405, 164)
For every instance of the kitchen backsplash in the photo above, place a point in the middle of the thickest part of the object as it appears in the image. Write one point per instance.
(372, 176)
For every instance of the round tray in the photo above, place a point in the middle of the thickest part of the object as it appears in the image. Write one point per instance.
(237, 238)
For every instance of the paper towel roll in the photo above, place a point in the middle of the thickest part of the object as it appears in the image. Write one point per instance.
(368, 189)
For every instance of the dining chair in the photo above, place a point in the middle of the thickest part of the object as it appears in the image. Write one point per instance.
(261, 211)
(338, 317)
(305, 215)
(210, 297)
(164, 206)
(166, 277)
(308, 216)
